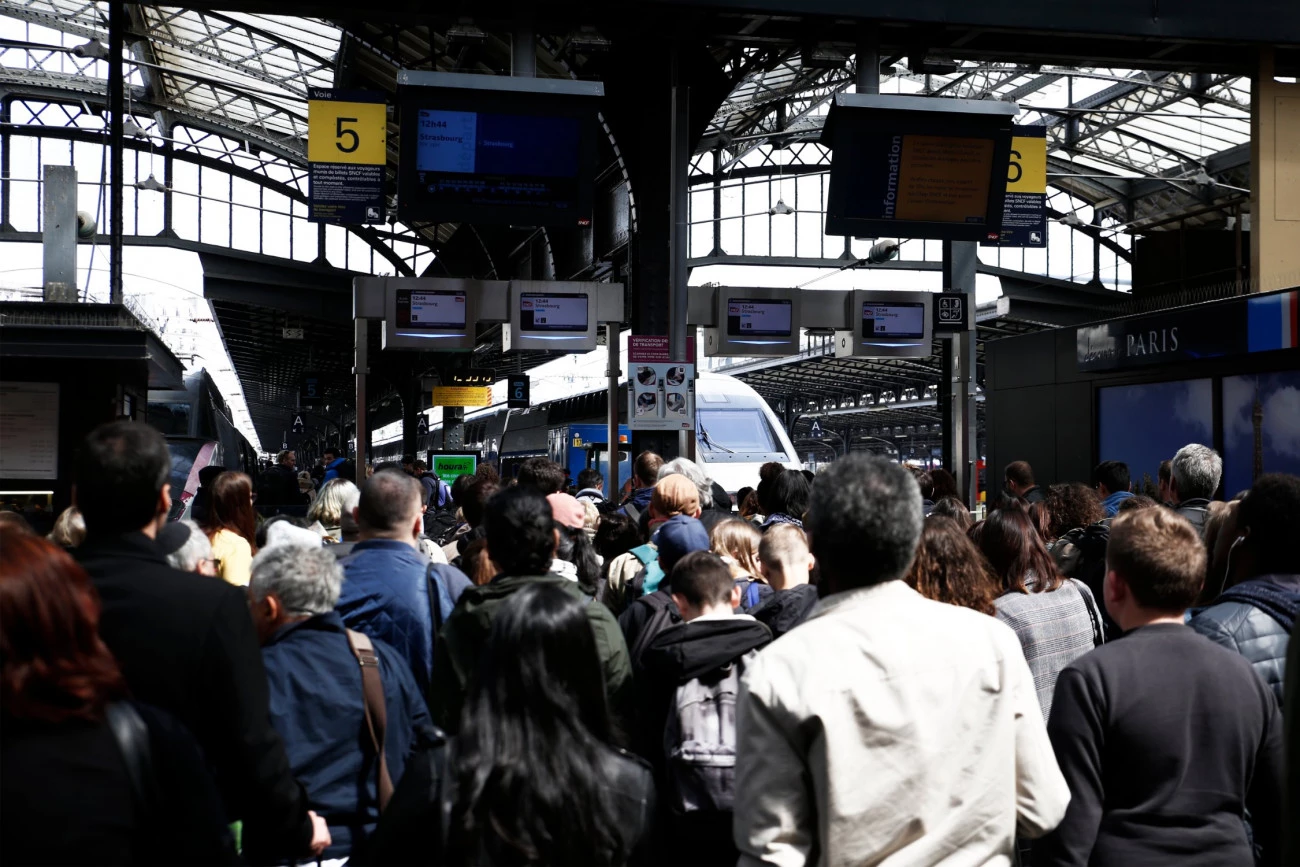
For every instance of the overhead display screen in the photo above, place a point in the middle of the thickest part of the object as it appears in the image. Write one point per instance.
(893, 320)
(917, 173)
(556, 313)
(430, 310)
(753, 317)
(493, 156)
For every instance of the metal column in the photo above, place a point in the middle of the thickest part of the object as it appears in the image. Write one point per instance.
(361, 368)
(59, 233)
(116, 107)
(679, 237)
(612, 371)
(957, 387)
(867, 79)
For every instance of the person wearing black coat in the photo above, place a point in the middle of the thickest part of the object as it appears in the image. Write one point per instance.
(186, 642)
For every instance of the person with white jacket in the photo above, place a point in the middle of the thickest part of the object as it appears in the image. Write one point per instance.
(889, 728)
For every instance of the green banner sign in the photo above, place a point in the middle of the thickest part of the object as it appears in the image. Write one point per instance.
(449, 467)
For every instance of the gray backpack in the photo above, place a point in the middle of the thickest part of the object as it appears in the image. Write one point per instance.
(700, 741)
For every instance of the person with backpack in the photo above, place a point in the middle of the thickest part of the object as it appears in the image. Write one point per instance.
(652, 613)
(1079, 531)
(637, 572)
(521, 540)
(737, 542)
(319, 698)
(393, 592)
(686, 727)
(645, 473)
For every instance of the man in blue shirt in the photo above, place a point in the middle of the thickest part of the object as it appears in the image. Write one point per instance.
(1111, 478)
(393, 593)
(316, 696)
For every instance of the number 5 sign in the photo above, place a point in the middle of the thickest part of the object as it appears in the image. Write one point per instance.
(347, 150)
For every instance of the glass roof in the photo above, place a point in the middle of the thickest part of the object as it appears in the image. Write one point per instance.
(1105, 126)
(248, 72)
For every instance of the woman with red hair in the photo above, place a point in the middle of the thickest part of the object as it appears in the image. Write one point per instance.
(231, 526)
(89, 777)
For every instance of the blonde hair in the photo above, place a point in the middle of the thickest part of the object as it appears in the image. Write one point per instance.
(738, 540)
(334, 498)
(781, 546)
(69, 529)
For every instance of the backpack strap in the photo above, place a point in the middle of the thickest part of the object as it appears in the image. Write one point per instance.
(435, 597)
(751, 594)
(1090, 602)
(132, 736)
(372, 694)
(645, 553)
(632, 511)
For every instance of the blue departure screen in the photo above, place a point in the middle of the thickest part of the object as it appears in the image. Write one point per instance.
(494, 160)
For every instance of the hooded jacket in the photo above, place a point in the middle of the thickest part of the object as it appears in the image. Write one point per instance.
(1255, 618)
(332, 471)
(679, 654)
(786, 609)
(465, 632)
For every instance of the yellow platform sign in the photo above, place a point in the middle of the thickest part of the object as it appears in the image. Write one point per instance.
(461, 395)
(354, 133)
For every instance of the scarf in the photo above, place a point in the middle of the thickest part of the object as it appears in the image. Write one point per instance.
(1268, 594)
(781, 518)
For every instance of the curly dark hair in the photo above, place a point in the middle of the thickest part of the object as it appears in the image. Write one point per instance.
(1072, 505)
(950, 568)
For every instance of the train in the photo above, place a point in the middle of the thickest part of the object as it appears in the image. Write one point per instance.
(736, 433)
(197, 425)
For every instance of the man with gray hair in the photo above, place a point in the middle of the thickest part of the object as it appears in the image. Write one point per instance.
(393, 592)
(187, 548)
(317, 698)
(1196, 471)
(887, 727)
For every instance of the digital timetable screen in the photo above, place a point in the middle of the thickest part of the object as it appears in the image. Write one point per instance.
(758, 318)
(485, 156)
(566, 313)
(430, 310)
(905, 320)
(900, 168)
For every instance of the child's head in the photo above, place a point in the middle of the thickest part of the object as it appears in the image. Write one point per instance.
(784, 556)
(702, 584)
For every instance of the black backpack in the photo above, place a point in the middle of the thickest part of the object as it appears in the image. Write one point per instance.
(440, 526)
(663, 615)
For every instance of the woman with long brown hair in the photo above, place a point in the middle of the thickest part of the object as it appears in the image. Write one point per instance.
(1056, 619)
(231, 526)
(949, 568)
(71, 792)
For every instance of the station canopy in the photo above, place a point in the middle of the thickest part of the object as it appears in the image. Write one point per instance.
(1141, 146)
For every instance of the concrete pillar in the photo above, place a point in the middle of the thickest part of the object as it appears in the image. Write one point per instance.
(1274, 180)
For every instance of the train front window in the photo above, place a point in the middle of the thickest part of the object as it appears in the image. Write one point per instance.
(735, 430)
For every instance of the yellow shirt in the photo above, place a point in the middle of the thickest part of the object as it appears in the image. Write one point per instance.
(235, 556)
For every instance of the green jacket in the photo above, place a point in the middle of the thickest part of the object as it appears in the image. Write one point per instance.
(465, 632)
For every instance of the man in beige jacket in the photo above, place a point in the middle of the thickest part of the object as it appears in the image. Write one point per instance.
(888, 729)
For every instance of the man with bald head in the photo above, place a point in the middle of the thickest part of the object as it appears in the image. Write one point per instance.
(392, 592)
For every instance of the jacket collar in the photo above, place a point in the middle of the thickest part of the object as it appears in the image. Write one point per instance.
(327, 622)
(849, 600)
(134, 546)
(385, 545)
(593, 493)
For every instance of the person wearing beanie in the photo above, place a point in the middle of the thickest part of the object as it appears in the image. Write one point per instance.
(638, 572)
(654, 612)
(575, 555)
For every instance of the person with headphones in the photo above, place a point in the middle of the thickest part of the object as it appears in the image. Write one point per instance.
(1258, 608)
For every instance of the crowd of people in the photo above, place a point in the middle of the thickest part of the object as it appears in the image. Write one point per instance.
(837, 669)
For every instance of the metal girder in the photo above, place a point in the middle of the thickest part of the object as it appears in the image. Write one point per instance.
(367, 233)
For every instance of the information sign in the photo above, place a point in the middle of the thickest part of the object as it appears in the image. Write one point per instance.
(661, 396)
(460, 395)
(752, 317)
(347, 152)
(469, 376)
(29, 430)
(451, 467)
(311, 390)
(951, 311)
(517, 391)
(904, 319)
(654, 347)
(816, 430)
(1024, 210)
